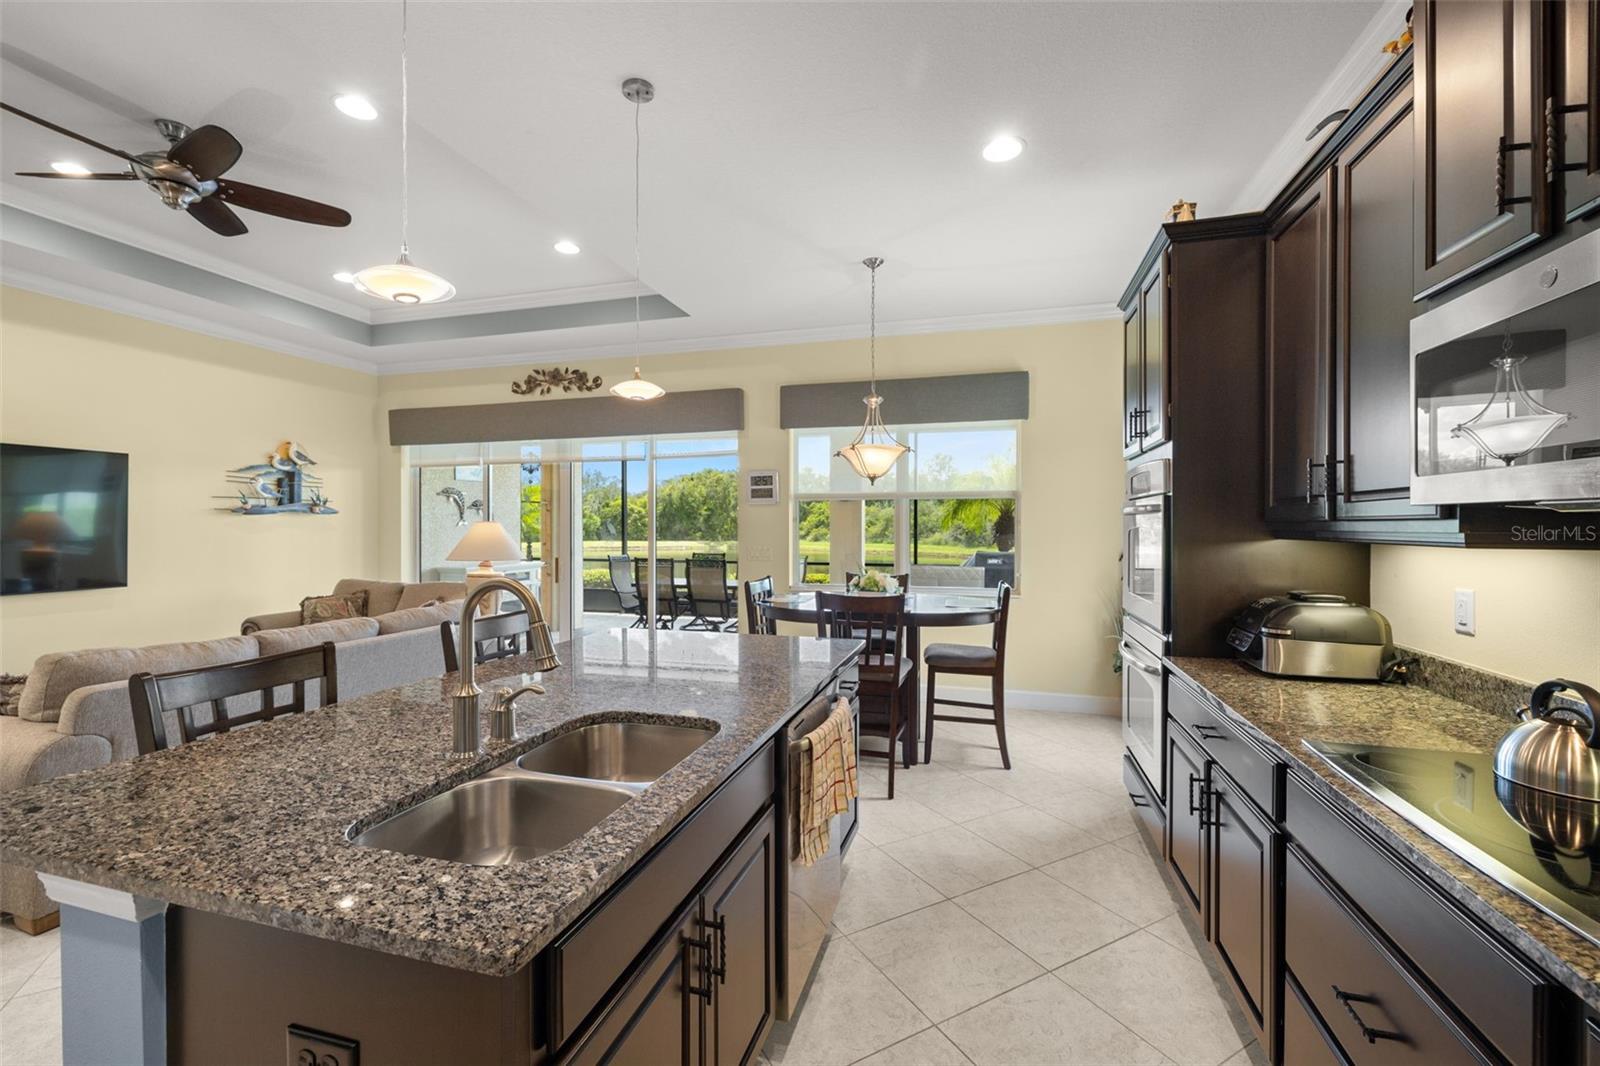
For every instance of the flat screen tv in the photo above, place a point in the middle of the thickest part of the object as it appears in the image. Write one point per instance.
(63, 519)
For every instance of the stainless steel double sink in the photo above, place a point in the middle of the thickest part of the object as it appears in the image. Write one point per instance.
(544, 801)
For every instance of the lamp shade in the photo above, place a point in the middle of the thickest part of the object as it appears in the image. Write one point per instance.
(485, 542)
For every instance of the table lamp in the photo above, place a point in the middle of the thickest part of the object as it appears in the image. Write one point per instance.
(485, 543)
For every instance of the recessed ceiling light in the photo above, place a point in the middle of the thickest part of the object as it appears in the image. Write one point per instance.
(344, 277)
(1003, 148)
(66, 166)
(567, 247)
(356, 106)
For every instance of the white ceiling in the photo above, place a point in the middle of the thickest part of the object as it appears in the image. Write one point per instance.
(787, 141)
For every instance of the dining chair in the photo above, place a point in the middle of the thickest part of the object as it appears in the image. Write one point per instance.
(712, 604)
(666, 591)
(888, 699)
(498, 636)
(231, 694)
(620, 570)
(972, 660)
(756, 593)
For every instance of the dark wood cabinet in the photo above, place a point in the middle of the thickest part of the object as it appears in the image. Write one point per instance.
(657, 1018)
(1144, 362)
(1482, 189)
(1297, 313)
(739, 928)
(1186, 784)
(1242, 845)
(1370, 474)
(1577, 128)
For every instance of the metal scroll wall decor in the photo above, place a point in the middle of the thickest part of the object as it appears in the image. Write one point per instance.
(281, 485)
(543, 381)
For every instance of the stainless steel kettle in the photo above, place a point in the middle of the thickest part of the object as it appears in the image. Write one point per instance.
(1552, 753)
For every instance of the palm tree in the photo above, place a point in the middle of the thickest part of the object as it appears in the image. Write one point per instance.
(982, 517)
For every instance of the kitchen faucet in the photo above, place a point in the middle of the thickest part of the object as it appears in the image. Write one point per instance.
(464, 738)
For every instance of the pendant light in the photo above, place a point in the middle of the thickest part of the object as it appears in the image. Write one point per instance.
(403, 282)
(874, 451)
(1502, 434)
(639, 92)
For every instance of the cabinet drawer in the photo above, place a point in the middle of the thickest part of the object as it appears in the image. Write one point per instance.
(1507, 1000)
(1370, 1000)
(1304, 1041)
(601, 946)
(1143, 799)
(1253, 769)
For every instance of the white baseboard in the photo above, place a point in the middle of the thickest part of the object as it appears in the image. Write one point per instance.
(1022, 699)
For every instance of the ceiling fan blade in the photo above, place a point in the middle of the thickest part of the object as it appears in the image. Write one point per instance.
(119, 176)
(273, 202)
(217, 217)
(119, 153)
(207, 152)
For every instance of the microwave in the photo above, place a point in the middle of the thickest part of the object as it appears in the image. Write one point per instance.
(1505, 388)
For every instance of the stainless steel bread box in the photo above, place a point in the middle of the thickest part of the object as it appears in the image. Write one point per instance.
(1313, 634)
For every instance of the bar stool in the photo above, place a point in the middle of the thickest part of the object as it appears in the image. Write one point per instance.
(972, 661)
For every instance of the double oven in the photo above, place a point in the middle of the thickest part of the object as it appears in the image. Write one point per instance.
(1146, 551)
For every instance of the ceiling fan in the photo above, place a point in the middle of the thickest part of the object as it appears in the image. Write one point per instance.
(188, 177)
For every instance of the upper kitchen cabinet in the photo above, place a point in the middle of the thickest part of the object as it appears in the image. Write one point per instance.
(1144, 361)
(1299, 257)
(1481, 135)
(1577, 107)
(1369, 475)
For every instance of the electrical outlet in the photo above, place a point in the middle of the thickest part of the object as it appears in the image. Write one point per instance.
(309, 1047)
(1466, 612)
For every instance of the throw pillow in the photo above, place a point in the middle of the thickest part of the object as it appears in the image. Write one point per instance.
(428, 616)
(11, 692)
(327, 608)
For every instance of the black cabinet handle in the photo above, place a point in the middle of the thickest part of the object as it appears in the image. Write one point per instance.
(1501, 200)
(1138, 801)
(1210, 732)
(1194, 804)
(703, 946)
(1310, 466)
(1372, 1035)
(719, 925)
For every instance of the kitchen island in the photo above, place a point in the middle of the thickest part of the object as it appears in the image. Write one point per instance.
(227, 870)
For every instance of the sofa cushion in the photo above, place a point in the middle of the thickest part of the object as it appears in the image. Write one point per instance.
(31, 752)
(11, 693)
(420, 593)
(337, 630)
(382, 596)
(428, 616)
(325, 608)
(57, 674)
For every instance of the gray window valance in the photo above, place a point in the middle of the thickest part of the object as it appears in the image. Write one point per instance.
(998, 397)
(705, 411)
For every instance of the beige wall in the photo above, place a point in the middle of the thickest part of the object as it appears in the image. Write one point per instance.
(185, 408)
(1538, 612)
(1071, 468)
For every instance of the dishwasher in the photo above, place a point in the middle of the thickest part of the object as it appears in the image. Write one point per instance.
(809, 893)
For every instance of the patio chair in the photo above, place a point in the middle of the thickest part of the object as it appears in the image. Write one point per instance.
(711, 602)
(620, 568)
(666, 591)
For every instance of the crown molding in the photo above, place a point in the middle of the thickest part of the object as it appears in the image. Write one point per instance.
(1050, 316)
(1361, 66)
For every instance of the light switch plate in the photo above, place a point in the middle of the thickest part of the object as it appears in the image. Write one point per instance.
(1466, 612)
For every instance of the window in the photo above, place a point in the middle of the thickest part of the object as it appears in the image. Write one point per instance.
(946, 515)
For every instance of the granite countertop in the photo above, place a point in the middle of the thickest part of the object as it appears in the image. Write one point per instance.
(1283, 712)
(252, 824)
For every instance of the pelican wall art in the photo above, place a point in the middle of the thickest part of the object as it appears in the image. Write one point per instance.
(281, 485)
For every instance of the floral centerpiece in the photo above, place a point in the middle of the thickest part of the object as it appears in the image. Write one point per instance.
(873, 581)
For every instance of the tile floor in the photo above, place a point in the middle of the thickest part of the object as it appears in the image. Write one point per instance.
(30, 997)
(988, 917)
(1013, 918)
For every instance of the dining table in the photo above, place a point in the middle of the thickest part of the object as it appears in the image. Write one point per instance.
(935, 610)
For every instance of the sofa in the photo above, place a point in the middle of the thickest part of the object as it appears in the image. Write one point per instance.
(382, 598)
(74, 712)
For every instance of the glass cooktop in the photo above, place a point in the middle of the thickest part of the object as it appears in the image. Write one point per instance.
(1544, 847)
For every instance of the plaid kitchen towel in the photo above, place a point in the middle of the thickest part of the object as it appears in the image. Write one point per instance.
(827, 780)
